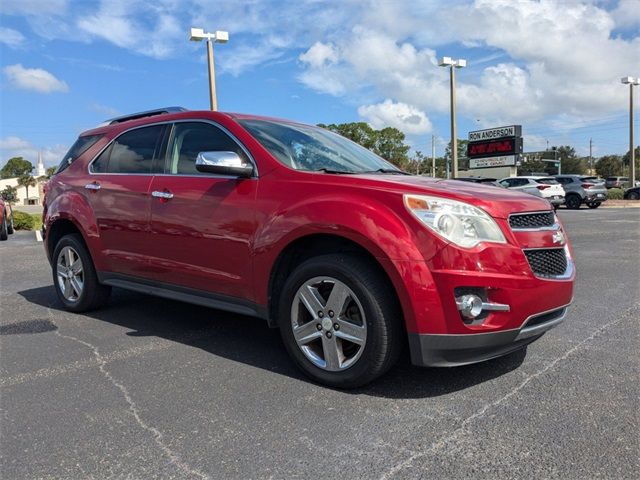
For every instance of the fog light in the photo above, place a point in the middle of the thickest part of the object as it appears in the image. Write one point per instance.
(470, 306)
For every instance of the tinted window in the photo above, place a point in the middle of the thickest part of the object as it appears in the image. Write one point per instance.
(547, 181)
(564, 180)
(191, 138)
(131, 152)
(99, 165)
(82, 145)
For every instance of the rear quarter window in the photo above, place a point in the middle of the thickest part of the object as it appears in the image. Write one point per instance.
(81, 145)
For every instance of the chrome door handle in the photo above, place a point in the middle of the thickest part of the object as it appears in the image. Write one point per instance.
(165, 195)
(92, 186)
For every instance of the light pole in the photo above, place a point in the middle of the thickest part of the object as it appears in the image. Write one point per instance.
(198, 34)
(632, 154)
(453, 64)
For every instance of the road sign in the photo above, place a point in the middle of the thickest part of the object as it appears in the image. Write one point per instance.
(503, 161)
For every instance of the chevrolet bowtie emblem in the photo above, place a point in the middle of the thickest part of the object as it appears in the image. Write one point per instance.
(558, 237)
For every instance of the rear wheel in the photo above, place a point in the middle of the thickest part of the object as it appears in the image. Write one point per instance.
(594, 205)
(633, 196)
(10, 226)
(573, 202)
(340, 321)
(74, 276)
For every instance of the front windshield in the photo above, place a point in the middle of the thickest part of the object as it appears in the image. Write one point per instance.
(308, 148)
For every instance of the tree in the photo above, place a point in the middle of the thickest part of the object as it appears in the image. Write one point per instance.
(626, 160)
(388, 142)
(569, 161)
(9, 194)
(533, 165)
(609, 166)
(26, 181)
(463, 161)
(16, 167)
(50, 171)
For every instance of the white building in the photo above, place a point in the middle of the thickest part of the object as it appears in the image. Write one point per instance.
(36, 193)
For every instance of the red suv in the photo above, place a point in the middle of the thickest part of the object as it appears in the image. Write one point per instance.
(350, 257)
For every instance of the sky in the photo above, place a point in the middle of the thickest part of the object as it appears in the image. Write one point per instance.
(553, 67)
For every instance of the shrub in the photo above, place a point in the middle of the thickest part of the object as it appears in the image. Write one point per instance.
(615, 193)
(22, 221)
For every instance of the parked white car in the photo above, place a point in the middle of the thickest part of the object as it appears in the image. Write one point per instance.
(544, 187)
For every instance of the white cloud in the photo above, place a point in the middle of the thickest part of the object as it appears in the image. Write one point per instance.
(627, 13)
(404, 117)
(35, 79)
(104, 109)
(13, 146)
(151, 30)
(10, 37)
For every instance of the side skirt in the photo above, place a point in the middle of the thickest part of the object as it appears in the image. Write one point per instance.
(184, 294)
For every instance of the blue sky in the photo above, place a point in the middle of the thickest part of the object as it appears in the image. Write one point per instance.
(552, 66)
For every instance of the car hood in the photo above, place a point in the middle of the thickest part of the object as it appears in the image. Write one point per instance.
(497, 201)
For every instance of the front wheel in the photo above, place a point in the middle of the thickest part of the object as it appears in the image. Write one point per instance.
(74, 276)
(340, 320)
(594, 205)
(633, 196)
(10, 226)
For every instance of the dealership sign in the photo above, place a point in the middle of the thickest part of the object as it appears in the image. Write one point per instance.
(498, 132)
(495, 147)
(504, 161)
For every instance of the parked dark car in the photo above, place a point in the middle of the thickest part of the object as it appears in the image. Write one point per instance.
(632, 193)
(580, 189)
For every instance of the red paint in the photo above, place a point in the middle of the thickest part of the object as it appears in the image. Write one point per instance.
(225, 234)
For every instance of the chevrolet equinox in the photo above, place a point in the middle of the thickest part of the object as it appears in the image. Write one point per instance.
(351, 258)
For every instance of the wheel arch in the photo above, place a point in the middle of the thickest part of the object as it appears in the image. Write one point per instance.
(316, 244)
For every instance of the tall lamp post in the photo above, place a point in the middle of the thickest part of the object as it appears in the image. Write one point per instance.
(632, 153)
(197, 35)
(453, 64)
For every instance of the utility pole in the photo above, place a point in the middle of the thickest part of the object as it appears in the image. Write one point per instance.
(453, 64)
(632, 154)
(197, 35)
(433, 156)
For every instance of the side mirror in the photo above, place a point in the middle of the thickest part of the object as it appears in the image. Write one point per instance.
(223, 163)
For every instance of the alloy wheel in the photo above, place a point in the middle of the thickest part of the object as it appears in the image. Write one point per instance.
(328, 323)
(70, 274)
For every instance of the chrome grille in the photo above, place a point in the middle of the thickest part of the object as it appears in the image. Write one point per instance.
(521, 221)
(547, 262)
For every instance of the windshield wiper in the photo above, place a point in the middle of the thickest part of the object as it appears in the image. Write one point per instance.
(328, 170)
(389, 170)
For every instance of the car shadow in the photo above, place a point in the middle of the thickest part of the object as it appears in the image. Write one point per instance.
(248, 340)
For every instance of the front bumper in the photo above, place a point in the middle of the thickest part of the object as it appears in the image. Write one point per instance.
(442, 350)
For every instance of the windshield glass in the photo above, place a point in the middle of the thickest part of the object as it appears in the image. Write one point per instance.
(308, 148)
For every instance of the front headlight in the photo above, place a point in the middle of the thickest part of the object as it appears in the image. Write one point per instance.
(458, 222)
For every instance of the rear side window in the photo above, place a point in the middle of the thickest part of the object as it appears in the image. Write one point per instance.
(191, 138)
(131, 152)
(78, 148)
(547, 181)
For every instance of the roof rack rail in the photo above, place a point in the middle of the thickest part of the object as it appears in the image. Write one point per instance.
(148, 113)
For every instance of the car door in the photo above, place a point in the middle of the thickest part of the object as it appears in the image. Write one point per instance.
(118, 193)
(202, 225)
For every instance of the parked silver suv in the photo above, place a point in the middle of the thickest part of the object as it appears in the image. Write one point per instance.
(580, 189)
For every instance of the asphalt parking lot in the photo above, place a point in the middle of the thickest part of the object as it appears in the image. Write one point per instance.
(151, 388)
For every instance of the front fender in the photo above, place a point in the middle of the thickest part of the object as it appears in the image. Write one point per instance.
(402, 251)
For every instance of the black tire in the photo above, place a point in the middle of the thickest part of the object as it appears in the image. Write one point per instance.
(633, 196)
(94, 294)
(573, 202)
(594, 205)
(10, 226)
(3, 228)
(384, 322)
